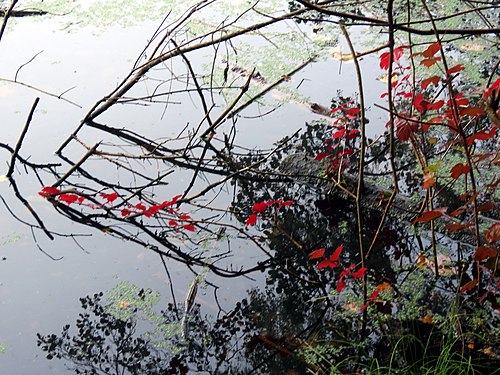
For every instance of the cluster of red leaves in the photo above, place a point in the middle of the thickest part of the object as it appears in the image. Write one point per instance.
(336, 151)
(138, 209)
(332, 262)
(261, 207)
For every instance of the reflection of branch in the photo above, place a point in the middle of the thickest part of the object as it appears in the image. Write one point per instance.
(21, 138)
(42, 91)
(6, 17)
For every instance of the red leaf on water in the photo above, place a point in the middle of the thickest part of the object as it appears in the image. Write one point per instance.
(431, 50)
(434, 80)
(428, 216)
(485, 252)
(252, 219)
(48, 191)
(68, 198)
(359, 273)
(317, 254)
(459, 169)
(259, 207)
(455, 69)
(189, 227)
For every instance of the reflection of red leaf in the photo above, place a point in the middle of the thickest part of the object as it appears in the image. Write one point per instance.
(359, 273)
(431, 50)
(317, 254)
(259, 207)
(405, 128)
(485, 252)
(47, 191)
(68, 198)
(434, 80)
(459, 169)
(455, 69)
(252, 219)
(428, 216)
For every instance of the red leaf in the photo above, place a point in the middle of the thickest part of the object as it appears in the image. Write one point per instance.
(435, 106)
(486, 207)
(317, 254)
(485, 252)
(352, 134)
(336, 253)
(339, 134)
(176, 198)
(459, 169)
(68, 198)
(455, 69)
(140, 206)
(419, 103)
(189, 227)
(384, 60)
(287, 203)
(482, 135)
(110, 197)
(81, 199)
(431, 50)
(327, 263)
(374, 295)
(259, 207)
(471, 111)
(429, 180)
(405, 128)
(456, 227)
(347, 271)
(493, 233)
(126, 212)
(430, 62)
(341, 284)
(359, 273)
(321, 156)
(490, 89)
(252, 219)
(434, 80)
(469, 286)
(172, 223)
(48, 191)
(352, 113)
(185, 217)
(428, 216)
